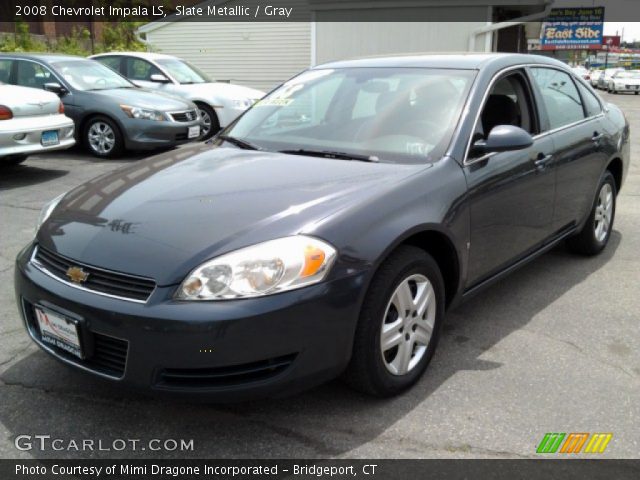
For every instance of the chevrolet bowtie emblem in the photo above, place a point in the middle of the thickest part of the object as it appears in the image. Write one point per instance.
(77, 275)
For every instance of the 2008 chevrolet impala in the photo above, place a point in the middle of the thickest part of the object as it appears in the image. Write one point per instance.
(327, 230)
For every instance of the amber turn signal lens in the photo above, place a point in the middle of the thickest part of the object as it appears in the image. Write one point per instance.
(61, 108)
(5, 113)
(313, 261)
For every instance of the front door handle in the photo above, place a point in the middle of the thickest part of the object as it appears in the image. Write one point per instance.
(597, 137)
(541, 161)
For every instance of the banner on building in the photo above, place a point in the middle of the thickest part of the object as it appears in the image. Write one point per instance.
(573, 28)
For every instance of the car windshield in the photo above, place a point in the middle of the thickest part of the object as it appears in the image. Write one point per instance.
(183, 72)
(404, 115)
(89, 75)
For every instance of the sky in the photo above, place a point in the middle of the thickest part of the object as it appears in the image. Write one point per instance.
(613, 10)
(631, 30)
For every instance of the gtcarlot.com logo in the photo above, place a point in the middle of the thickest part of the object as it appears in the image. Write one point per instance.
(574, 443)
(49, 443)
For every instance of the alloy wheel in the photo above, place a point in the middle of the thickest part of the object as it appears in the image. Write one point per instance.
(604, 212)
(101, 138)
(206, 122)
(408, 324)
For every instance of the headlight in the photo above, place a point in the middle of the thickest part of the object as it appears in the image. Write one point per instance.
(242, 103)
(47, 209)
(263, 269)
(143, 113)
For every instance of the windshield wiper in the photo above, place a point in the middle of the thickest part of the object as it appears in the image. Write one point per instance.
(238, 142)
(330, 154)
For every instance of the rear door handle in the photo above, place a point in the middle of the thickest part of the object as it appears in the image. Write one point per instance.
(597, 136)
(542, 160)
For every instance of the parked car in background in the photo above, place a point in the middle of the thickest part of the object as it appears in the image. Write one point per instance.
(582, 72)
(30, 122)
(110, 113)
(219, 103)
(625, 81)
(605, 76)
(595, 76)
(317, 238)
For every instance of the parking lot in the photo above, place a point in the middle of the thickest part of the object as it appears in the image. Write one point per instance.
(552, 348)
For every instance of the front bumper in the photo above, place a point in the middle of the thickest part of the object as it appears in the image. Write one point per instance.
(222, 351)
(148, 134)
(32, 129)
(625, 88)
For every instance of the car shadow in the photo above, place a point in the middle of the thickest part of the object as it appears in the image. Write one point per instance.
(43, 397)
(24, 175)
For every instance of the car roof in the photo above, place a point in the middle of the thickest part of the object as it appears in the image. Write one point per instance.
(43, 57)
(473, 61)
(145, 55)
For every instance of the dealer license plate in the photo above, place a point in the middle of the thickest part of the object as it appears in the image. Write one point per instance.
(194, 132)
(59, 331)
(50, 137)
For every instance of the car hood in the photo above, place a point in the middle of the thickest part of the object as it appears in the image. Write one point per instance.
(165, 215)
(218, 89)
(138, 97)
(627, 81)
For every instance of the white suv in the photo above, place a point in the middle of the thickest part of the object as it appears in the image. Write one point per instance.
(219, 103)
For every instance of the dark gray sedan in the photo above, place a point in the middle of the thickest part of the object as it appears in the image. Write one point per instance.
(328, 229)
(110, 113)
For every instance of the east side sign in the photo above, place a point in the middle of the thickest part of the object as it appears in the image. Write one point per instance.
(568, 28)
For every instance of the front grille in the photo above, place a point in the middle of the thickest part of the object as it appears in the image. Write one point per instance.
(105, 354)
(224, 376)
(187, 116)
(102, 281)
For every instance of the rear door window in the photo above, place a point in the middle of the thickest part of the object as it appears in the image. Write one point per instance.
(112, 62)
(591, 103)
(5, 70)
(559, 95)
(34, 75)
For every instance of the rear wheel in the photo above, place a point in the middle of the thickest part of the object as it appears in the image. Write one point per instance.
(102, 137)
(596, 232)
(210, 123)
(399, 324)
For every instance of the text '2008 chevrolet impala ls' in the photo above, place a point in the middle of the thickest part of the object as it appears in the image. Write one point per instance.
(327, 230)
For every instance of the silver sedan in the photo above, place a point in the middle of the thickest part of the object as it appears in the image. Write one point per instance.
(31, 121)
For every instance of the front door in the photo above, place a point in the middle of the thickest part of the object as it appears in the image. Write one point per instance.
(511, 194)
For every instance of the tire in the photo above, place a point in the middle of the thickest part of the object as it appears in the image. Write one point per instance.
(378, 371)
(102, 137)
(212, 124)
(636, 93)
(595, 234)
(13, 160)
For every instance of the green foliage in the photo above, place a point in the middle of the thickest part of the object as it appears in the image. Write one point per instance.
(21, 41)
(120, 37)
(115, 37)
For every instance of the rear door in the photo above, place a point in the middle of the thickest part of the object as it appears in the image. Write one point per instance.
(574, 122)
(511, 193)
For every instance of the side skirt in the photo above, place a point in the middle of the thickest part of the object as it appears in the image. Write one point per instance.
(552, 242)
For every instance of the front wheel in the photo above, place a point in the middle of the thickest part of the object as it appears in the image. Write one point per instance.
(399, 324)
(210, 122)
(596, 232)
(102, 137)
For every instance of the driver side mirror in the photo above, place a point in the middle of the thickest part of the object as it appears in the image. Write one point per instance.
(159, 78)
(55, 87)
(503, 138)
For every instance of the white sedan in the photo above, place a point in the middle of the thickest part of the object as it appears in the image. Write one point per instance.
(625, 82)
(31, 121)
(219, 103)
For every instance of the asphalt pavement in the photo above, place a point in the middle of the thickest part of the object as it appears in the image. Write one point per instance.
(551, 348)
